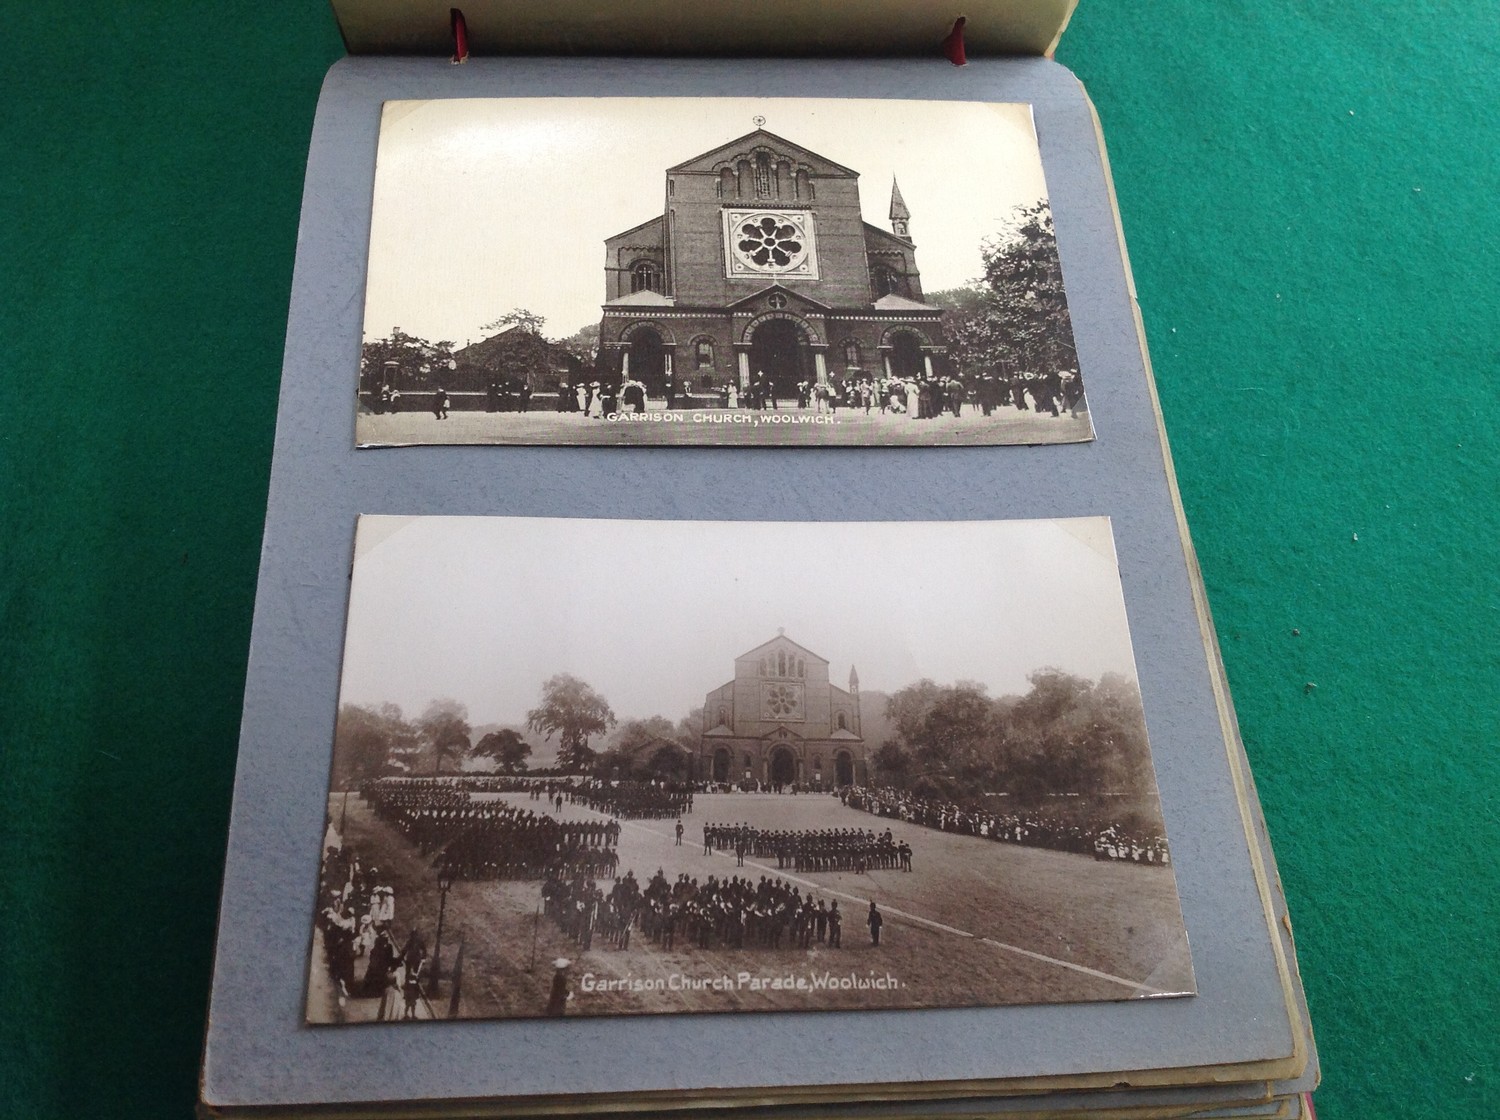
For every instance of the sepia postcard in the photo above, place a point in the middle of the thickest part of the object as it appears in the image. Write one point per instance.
(818, 766)
(747, 271)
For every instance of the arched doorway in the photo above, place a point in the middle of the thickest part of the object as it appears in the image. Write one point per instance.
(721, 765)
(779, 349)
(906, 356)
(843, 768)
(783, 767)
(648, 360)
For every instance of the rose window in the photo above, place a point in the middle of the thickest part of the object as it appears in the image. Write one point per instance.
(783, 701)
(770, 243)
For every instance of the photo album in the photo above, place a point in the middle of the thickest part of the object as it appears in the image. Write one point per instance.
(727, 639)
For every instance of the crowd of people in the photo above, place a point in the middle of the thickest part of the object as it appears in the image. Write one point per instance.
(356, 919)
(732, 912)
(1032, 829)
(923, 397)
(828, 849)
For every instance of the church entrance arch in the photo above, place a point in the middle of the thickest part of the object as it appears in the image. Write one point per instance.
(843, 769)
(721, 765)
(648, 360)
(906, 356)
(779, 349)
(783, 767)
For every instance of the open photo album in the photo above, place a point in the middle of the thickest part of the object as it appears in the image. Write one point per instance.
(727, 640)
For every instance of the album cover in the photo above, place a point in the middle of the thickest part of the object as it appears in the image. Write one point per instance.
(797, 767)
(723, 270)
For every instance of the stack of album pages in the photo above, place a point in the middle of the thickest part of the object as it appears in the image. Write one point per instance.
(727, 641)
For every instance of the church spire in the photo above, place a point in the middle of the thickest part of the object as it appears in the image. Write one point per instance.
(900, 215)
(853, 679)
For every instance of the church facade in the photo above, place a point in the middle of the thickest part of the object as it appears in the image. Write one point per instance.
(781, 720)
(761, 263)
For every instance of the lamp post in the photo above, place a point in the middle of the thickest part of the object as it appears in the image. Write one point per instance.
(445, 880)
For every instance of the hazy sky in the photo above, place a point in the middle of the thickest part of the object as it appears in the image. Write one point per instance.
(485, 205)
(653, 613)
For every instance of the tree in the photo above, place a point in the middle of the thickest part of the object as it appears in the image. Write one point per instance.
(907, 709)
(506, 747)
(528, 321)
(959, 732)
(629, 754)
(583, 343)
(574, 712)
(690, 729)
(445, 729)
(371, 742)
(518, 352)
(892, 764)
(419, 363)
(1015, 316)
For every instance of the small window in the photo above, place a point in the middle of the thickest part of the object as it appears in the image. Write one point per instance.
(645, 277)
(851, 353)
(884, 280)
(762, 176)
(843, 723)
(703, 353)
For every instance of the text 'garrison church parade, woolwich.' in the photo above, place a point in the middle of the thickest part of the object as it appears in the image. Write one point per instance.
(780, 721)
(761, 270)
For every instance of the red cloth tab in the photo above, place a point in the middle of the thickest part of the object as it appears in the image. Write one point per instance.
(460, 35)
(953, 45)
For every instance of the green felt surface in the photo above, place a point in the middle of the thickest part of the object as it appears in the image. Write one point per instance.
(1309, 193)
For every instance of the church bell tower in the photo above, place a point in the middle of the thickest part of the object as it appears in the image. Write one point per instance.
(900, 215)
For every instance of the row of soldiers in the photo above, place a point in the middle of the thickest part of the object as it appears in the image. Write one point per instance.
(828, 849)
(471, 783)
(492, 839)
(1035, 830)
(636, 800)
(733, 912)
(528, 846)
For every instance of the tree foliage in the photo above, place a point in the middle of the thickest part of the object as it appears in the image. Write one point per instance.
(506, 747)
(445, 732)
(1066, 735)
(1015, 316)
(372, 742)
(575, 713)
(528, 321)
(634, 743)
(419, 364)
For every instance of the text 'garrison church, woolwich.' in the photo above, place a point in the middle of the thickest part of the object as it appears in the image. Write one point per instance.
(781, 721)
(762, 265)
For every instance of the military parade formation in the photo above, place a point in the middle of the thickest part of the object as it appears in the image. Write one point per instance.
(464, 829)
(491, 839)
(730, 912)
(811, 850)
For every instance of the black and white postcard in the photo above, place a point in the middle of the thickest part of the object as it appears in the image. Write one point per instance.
(588, 767)
(750, 271)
